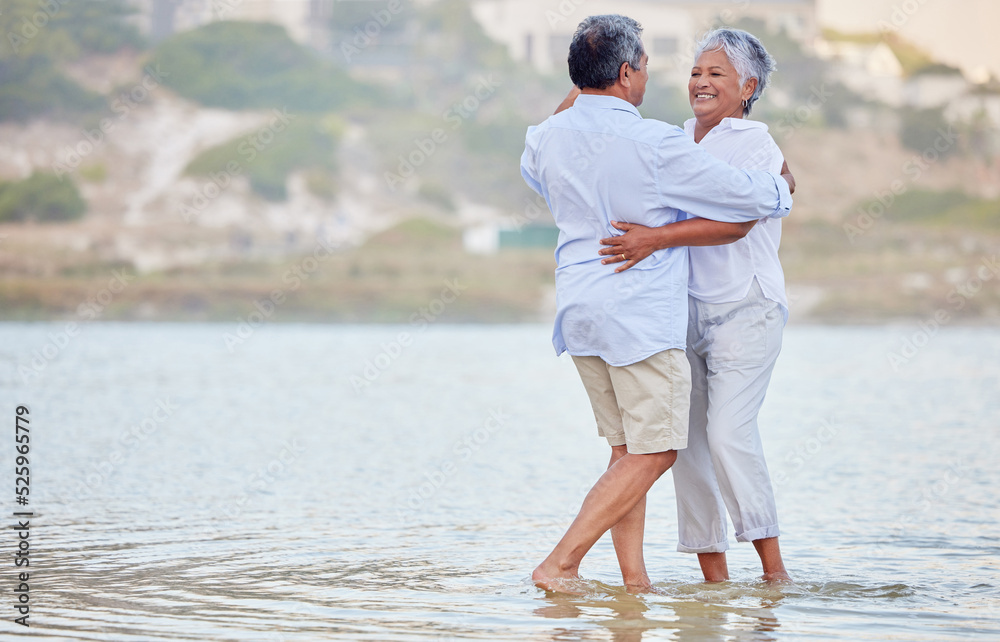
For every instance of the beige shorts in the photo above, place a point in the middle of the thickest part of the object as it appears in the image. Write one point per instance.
(644, 405)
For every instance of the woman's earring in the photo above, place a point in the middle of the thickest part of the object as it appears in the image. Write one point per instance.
(746, 104)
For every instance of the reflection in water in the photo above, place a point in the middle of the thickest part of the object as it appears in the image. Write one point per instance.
(627, 624)
(699, 612)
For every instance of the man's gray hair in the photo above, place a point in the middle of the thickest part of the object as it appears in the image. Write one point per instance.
(600, 46)
(746, 54)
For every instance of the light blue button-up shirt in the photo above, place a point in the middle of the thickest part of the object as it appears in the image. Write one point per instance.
(600, 161)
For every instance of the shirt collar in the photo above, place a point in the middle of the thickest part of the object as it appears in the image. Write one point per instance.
(727, 123)
(597, 101)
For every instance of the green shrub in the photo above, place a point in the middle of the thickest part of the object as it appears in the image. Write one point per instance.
(951, 208)
(307, 142)
(41, 197)
(503, 137)
(923, 129)
(93, 173)
(31, 86)
(922, 205)
(65, 29)
(437, 194)
(322, 184)
(252, 65)
(977, 214)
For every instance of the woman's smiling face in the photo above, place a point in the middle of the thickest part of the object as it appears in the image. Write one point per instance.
(714, 89)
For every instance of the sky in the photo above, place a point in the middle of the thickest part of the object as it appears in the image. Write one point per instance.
(962, 33)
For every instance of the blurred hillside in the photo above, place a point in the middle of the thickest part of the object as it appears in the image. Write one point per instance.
(228, 170)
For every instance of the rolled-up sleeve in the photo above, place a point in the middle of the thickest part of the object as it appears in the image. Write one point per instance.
(784, 195)
(529, 168)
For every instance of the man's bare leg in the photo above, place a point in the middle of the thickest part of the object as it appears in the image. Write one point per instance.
(613, 497)
(627, 536)
(714, 567)
(770, 559)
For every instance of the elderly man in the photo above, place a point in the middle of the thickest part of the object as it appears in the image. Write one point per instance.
(601, 161)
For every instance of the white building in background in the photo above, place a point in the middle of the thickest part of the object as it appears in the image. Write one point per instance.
(974, 105)
(871, 70)
(936, 89)
(539, 31)
(305, 20)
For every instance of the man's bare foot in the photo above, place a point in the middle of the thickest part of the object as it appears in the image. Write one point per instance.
(551, 578)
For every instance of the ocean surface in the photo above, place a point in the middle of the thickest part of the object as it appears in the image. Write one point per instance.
(311, 482)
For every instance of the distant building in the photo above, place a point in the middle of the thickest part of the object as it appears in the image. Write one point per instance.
(937, 87)
(976, 105)
(305, 20)
(493, 237)
(871, 70)
(539, 31)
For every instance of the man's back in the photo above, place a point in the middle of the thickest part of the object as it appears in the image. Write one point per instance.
(594, 163)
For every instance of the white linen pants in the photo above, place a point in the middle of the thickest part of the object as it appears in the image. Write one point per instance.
(732, 348)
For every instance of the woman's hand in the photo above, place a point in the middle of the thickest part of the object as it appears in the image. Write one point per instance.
(569, 99)
(634, 245)
(787, 175)
(640, 241)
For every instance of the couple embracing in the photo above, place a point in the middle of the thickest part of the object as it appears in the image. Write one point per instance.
(675, 363)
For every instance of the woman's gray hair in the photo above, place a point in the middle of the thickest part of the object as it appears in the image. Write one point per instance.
(746, 54)
(600, 45)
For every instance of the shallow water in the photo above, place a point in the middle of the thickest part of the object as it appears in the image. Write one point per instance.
(276, 492)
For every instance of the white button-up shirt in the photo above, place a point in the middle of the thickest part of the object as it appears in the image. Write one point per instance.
(600, 161)
(724, 273)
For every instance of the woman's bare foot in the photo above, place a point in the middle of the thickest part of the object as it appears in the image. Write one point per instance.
(776, 577)
(713, 567)
(770, 559)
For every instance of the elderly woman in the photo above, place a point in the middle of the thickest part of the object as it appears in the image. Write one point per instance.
(737, 310)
